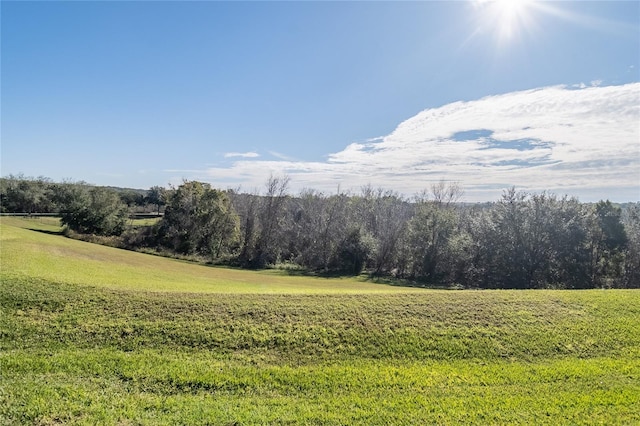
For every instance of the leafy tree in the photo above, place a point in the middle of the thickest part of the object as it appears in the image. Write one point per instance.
(199, 220)
(20, 194)
(533, 241)
(430, 231)
(612, 235)
(384, 215)
(477, 223)
(608, 240)
(568, 265)
(91, 210)
(157, 195)
(353, 251)
(431, 234)
(132, 198)
(247, 207)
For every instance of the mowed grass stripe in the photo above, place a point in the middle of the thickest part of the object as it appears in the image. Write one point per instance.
(165, 388)
(53, 258)
(299, 328)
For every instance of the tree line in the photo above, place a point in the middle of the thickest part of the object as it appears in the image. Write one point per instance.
(523, 240)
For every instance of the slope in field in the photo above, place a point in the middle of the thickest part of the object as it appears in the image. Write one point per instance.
(41, 255)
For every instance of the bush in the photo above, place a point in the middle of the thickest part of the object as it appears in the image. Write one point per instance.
(97, 211)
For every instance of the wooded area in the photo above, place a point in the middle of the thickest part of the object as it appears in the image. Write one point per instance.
(523, 240)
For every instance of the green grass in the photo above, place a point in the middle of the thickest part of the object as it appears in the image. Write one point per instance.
(91, 335)
(54, 259)
(148, 221)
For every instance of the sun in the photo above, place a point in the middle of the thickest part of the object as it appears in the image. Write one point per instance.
(507, 18)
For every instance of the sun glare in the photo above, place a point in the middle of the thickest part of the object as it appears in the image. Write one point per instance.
(506, 18)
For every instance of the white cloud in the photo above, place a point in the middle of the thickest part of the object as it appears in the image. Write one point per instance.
(281, 156)
(241, 154)
(580, 141)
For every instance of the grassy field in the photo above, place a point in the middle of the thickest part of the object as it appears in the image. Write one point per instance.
(41, 255)
(95, 335)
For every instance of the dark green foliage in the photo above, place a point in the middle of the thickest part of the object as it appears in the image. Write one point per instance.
(533, 241)
(157, 195)
(19, 194)
(430, 242)
(612, 235)
(522, 241)
(608, 241)
(353, 252)
(92, 210)
(199, 220)
(132, 198)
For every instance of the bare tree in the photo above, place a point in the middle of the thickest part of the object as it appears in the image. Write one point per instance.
(262, 219)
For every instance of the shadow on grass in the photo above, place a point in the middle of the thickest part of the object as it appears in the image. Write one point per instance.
(301, 272)
(367, 277)
(47, 231)
(398, 282)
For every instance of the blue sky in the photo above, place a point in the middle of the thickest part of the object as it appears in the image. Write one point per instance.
(490, 94)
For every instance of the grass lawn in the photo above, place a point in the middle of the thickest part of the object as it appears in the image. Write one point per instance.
(95, 335)
(56, 259)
